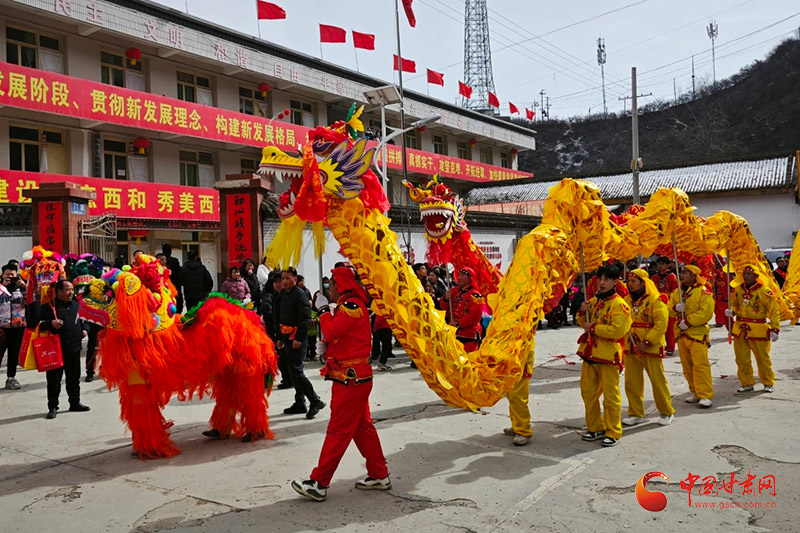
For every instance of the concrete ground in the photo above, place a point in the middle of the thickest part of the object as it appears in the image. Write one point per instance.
(451, 470)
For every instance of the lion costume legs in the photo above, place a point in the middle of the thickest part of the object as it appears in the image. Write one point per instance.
(141, 411)
(241, 406)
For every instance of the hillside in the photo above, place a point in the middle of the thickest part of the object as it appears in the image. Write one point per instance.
(755, 113)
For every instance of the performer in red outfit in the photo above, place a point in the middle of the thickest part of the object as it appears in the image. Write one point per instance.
(348, 333)
(467, 310)
(666, 281)
(721, 292)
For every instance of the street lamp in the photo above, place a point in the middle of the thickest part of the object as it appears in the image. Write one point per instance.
(413, 126)
(383, 96)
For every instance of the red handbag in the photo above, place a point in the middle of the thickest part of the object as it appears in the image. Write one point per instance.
(47, 348)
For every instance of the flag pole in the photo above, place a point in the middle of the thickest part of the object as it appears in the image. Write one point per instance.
(258, 21)
(320, 49)
(728, 276)
(402, 112)
(355, 52)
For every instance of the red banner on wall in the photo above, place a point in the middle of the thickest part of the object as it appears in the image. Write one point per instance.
(38, 90)
(240, 246)
(51, 226)
(128, 199)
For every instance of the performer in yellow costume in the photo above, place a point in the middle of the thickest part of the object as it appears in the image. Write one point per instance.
(518, 410)
(601, 351)
(644, 349)
(756, 328)
(693, 305)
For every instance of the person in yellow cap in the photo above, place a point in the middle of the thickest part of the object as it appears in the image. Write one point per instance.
(693, 305)
(644, 349)
(758, 322)
(601, 351)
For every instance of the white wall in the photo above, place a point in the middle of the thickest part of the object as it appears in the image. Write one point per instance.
(772, 218)
(14, 247)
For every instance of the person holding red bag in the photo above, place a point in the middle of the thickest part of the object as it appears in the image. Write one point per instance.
(62, 318)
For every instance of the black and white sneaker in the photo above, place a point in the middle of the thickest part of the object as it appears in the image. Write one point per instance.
(593, 435)
(609, 442)
(310, 489)
(374, 484)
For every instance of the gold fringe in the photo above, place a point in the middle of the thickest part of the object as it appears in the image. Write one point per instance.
(284, 250)
(318, 230)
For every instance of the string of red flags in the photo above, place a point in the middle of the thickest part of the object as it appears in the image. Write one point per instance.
(493, 100)
(436, 78)
(408, 65)
(513, 109)
(530, 114)
(412, 20)
(332, 34)
(365, 41)
(269, 11)
(464, 90)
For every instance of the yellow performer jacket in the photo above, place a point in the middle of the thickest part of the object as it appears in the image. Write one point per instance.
(753, 307)
(699, 310)
(650, 318)
(612, 320)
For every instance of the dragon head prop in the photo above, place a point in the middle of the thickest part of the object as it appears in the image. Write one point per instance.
(441, 210)
(333, 163)
(41, 269)
(82, 269)
(137, 300)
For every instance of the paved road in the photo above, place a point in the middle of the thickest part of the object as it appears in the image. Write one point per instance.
(451, 470)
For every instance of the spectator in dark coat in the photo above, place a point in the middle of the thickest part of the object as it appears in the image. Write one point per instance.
(196, 281)
(174, 267)
(249, 275)
(62, 318)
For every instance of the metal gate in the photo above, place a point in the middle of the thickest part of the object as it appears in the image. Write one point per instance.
(98, 236)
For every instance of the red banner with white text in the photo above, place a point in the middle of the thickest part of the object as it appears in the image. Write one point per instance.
(38, 90)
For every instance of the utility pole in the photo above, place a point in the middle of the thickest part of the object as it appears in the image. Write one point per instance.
(601, 60)
(693, 93)
(674, 90)
(547, 113)
(535, 107)
(636, 161)
(713, 30)
(624, 103)
(541, 106)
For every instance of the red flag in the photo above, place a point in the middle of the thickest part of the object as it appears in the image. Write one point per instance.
(530, 113)
(412, 20)
(464, 90)
(332, 34)
(267, 11)
(408, 65)
(493, 101)
(512, 108)
(364, 40)
(437, 78)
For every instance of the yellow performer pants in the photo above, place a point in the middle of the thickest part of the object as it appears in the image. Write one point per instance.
(518, 408)
(598, 379)
(760, 349)
(635, 367)
(696, 368)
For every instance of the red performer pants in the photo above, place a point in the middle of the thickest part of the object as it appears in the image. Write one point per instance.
(670, 337)
(350, 421)
(719, 313)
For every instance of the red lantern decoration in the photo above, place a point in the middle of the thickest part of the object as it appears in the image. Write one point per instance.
(473, 142)
(263, 88)
(422, 128)
(137, 234)
(514, 151)
(141, 144)
(134, 54)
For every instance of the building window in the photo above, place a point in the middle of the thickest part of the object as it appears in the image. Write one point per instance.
(30, 49)
(190, 170)
(193, 88)
(302, 113)
(412, 140)
(190, 242)
(115, 160)
(486, 155)
(505, 161)
(252, 103)
(114, 69)
(25, 147)
(249, 166)
(439, 144)
(464, 150)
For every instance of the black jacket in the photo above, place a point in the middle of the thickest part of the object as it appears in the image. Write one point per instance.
(255, 290)
(71, 332)
(293, 308)
(196, 280)
(174, 267)
(267, 310)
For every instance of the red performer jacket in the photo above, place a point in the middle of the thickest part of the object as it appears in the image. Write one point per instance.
(666, 284)
(349, 335)
(467, 310)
